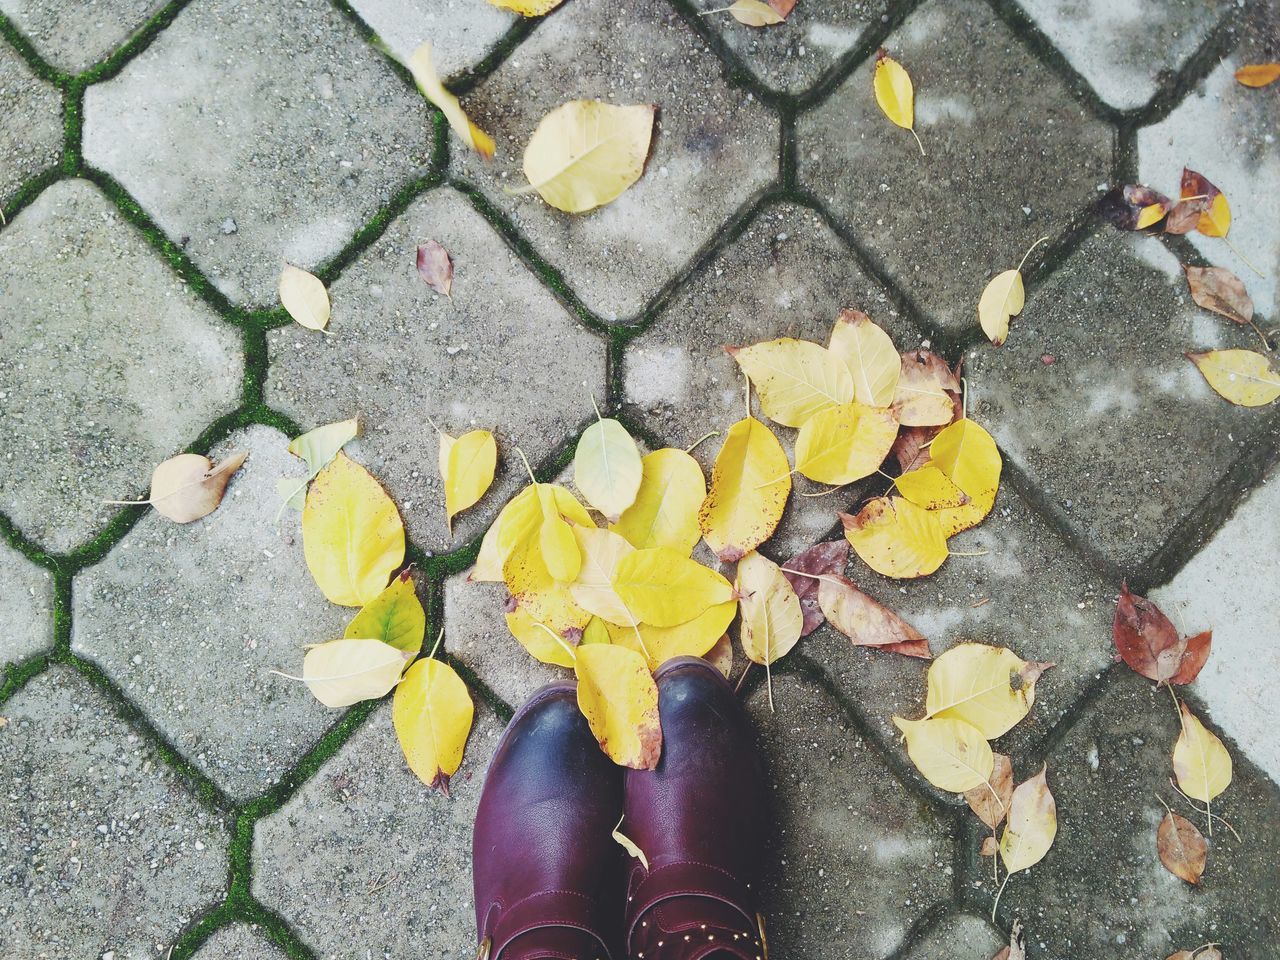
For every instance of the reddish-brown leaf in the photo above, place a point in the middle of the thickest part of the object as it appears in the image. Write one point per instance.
(1220, 290)
(435, 267)
(1258, 74)
(861, 619)
(910, 648)
(782, 8)
(1181, 847)
(1132, 206)
(1145, 638)
(1194, 211)
(820, 560)
(1194, 658)
(990, 801)
(911, 449)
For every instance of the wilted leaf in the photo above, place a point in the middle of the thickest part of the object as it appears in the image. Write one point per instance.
(921, 397)
(424, 73)
(584, 153)
(395, 616)
(951, 754)
(434, 267)
(432, 713)
(317, 447)
(665, 511)
(820, 560)
(528, 8)
(967, 454)
(1033, 823)
(618, 697)
(1200, 761)
(607, 468)
(861, 619)
(1202, 207)
(692, 639)
(187, 487)
(771, 616)
(749, 487)
(352, 534)
(1258, 74)
(896, 538)
(991, 688)
(870, 356)
(1145, 638)
(1181, 847)
(845, 443)
(304, 297)
(929, 487)
(1241, 376)
(795, 379)
(990, 801)
(895, 94)
(593, 590)
(467, 464)
(342, 672)
(663, 587)
(1220, 290)
(629, 845)
(1134, 207)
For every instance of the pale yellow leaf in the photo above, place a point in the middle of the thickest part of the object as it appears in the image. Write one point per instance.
(544, 643)
(754, 13)
(585, 153)
(304, 297)
(1200, 761)
(951, 754)
(991, 688)
(528, 8)
(930, 488)
(967, 454)
(467, 464)
(187, 487)
(692, 639)
(870, 356)
(896, 538)
(556, 540)
(665, 511)
(663, 587)
(395, 616)
(607, 468)
(845, 443)
(617, 695)
(424, 73)
(342, 672)
(772, 620)
(1241, 376)
(795, 378)
(1002, 299)
(1033, 823)
(593, 589)
(317, 448)
(749, 488)
(488, 565)
(432, 713)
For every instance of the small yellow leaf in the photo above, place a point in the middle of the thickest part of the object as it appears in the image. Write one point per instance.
(556, 540)
(795, 379)
(607, 468)
(663, 587)
(1258, 74)
(951, 754)
(528, 8)
(593, 589)
(991, 688)
(749, 488)
(395, 616)
(1200, 761)
(618, 697)
(466, 467)
(1033, 823)
(930, 488)
(895, 93)
(692, 639)
(967, 454)
(187, 487)
(519, 544)
(585, 153)
(424, 73)
(845, 443)
(1216, 221)
(772, 620)
(342, 672)
(304, 297)
(896, 538)
(352, 534)
(544, 643)
(432, 713)
(1002, 299)
(1241, 376)
(870, 355)
(754, 13)
(665, 511)
(597, 631)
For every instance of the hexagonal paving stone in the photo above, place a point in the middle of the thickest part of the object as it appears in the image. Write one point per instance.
(1225, 588)
(1105, 776)
(957, 935)
(75, 36)
(714, 147)
(500, 353)
(1127, 51)
(189, 620)
(1118, 427)
(31, 138)
(857, 857)
(1227, 133)
(238, 941)
(102, 847)
(1027, 591)
(109, 364)
(26, 607)
(254, 132)
(1011, 156)
(461, 33)
(366, 845)
(788, 275)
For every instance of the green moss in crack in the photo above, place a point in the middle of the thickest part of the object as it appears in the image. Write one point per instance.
(15, 676)
(39, 66)
(137, 42)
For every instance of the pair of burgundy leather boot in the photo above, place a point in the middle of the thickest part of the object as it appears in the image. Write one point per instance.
(550, 880)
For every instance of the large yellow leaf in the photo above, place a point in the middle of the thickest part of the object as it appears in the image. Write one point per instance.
(772, 620)
(967, 454)
(556, 540)
(1033, 823)
(544, 643)
(1200, 761)
(692, 639)
(432, 713)
(1241, 376)
(795, 378)
(607, 468)
(466, 467)
(663, 587)
(304, 297)
(593, 590)
(352, 535)
(665, 511)
(519, 542)
(528, 8)
(749, 488)
(845, 443)
(342, 672)
(929, 487)
(395, 616)
(870, 356)
(991, 688)
(951, 754)
(617, 695)
(896, 94)
(896, 538)
(424, 73)
(1002, 299)
(586, 152)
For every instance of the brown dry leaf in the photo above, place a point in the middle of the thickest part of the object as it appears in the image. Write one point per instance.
(1017, 948)
(1145, 638)
(1258, 74)
(187, 487)
(991, 800)
(861, 619)
(1180, 955)
(1194, 657)
(822, 559)
(721, 656)
(435, 267)
(922, 397)
(989, 848)
(911, 449)
(1182, 848)
(1133, 206)
(1220, 290)
(783, 7)
(1202, 207)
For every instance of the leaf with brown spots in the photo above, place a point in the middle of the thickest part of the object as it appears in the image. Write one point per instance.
(990, 801)
(1220, 290)
(923, 394)
(861, 619)
(802, 570)
(1182, 848)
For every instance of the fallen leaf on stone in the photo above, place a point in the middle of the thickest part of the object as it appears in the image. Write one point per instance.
(352, 534)
(395, 616)
(895, 94)
(896, 538)
(911, 449)
(1220, 290)
(720, 656)
(535, 554)
(1181, 847)
(1258, 74)
(860, 618)
(607, 468)
(1145, 638)
(665, 510)
(803, 572)
(342, 672)
(929, 487)
(467, 464)
(187, 487)
(751, 13)
(1202, 207)
(432, 713)
(990, 687)
(1133, 206)
(423, 68)
(694, 638)
(990, 800)
(663, 587)
(1017, 948)
(317, 448)
(869, 355)
(1194, 657)
(1003, 299)
(593, 589)
(749, 487)
(585, 153)
(629, 845)
(435, 267)
(990, 847)
(968, 455)
(845, 443)
(922, 397)
(951, 754)
(1200, 761)
(1244, 377)
(783, 7)
(304, 297)
(795, 379)
(1032, 826)
(771, 619)
(528, 8)
(558, 545)
(543, 642)
(617, 695)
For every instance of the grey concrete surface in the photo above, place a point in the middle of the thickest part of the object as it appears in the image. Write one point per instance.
(26, 607)
(31, 138)
(74, 36)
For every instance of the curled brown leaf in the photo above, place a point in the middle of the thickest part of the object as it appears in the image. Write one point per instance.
(1220, 290)
(861, 619)
(802, 571)
(1133, 206)
(990, 801)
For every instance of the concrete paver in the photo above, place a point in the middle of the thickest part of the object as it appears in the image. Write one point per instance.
(26, 607)
(31, 138)
(75, 36)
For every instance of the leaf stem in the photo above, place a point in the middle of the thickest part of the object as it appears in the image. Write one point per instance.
(1028, 253)
(436, 645)
(529, 469)
(918, 143)
(770, 483)
(999, 893)
(1245, 260)
(706, 436)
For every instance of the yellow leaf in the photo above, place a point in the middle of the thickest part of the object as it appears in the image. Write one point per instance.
(1241, 376)
(772, 620)
(395, 616)
(528, 8)
(525, 570)
(692, 639)
(432, 713)
(618, 697)
(593, 590)
(543, 643)
(951, 754)
(1258, 74)
(663, 587)
(187, 487)
(466, 467)
(585, 153)
(749, 488)
(795, 378)
(896, 538)
(754, 13)
(921, 398)
(597, 631)
(607, 468)
(316, 447)
(870, 356)
(424, 73)
(975, 682)
(1200, 761)
(895, 93)
(1003, 298)
(1216, 221)
(845, 443)
(1033, 823)
(488, 565)
(342, 672)
(304, 297)
(930, 488)
(967, 454)
(352, 534)
(665, 511)
(556, 540)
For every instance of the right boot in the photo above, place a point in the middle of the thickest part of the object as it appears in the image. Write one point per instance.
(548, 873)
